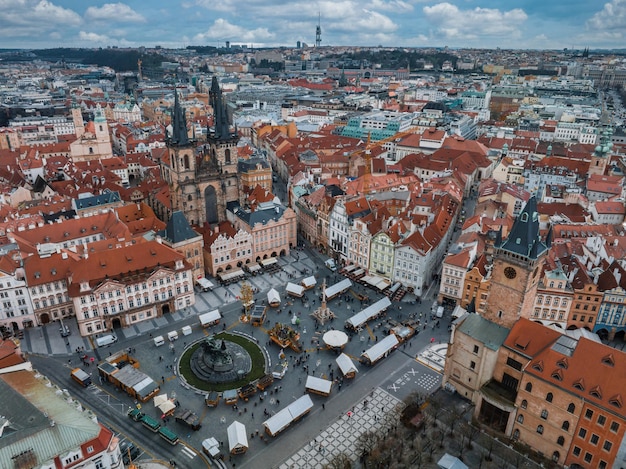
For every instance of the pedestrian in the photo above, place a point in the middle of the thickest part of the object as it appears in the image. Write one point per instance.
(323, 406)
(163, 379)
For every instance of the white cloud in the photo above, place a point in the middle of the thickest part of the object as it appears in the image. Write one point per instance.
(33, 17)
(611, 17)
(114, 12)
(222, 30)
(452, 22)
(93, 37)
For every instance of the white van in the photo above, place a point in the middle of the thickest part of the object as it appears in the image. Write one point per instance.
(158, 340)
(106, 340)
(330, 263)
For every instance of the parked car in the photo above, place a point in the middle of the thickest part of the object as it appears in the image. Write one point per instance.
(129, 451)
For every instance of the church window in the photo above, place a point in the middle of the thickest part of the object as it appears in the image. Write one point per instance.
(189, 197)
(186, 161)
(91, 150)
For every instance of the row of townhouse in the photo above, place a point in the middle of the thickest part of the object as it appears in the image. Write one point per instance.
(557, 392)
(406, 247)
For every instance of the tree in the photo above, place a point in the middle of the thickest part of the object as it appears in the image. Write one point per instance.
(366, 443)
(472, 433)
(247, 297)
(340, 461)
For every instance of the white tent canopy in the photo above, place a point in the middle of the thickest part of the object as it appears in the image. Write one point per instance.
(211, 446)
(368, 313)
(167, 406)
(237, 437)
(381, 348)
(338, 288)
(309, 282)
(160, 399)
(268, 262)
(320, 385)
(346, 365)
(273, 297)
(335, 338)
(205, 283)
(282, 419)
(295, 290)
(210, 317)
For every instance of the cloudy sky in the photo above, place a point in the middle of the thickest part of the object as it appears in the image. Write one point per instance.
(539, 24)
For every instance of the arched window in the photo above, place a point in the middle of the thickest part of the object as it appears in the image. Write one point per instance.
(227, 156)
(560, 441)
(565, 425)
(189, 198)
(540, 429)
(549, 397)
(520, 418)
(544, 414)
(524, 404)
(186, 161)
(556, 456)
(571, 408)
(516, 434)
(529, 387)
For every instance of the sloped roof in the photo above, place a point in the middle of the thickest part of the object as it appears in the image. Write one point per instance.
(489, 333)
(524, 236)
(178, 229)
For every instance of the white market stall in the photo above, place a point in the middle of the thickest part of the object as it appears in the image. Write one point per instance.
(273, 298)
(295, 290)
(290, 414)
(338, 288)
(380, 349)
(268, 262)
(308, 282)
(369, 313)
(318, 386)
(237, 438)
(210, 319)
(346, 365)
(205, 284)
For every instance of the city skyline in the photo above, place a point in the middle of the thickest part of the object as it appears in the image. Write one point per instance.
(408, 23)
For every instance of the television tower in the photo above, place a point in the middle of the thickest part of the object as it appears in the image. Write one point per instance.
(318, 31)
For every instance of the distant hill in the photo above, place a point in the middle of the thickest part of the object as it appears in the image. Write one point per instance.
(120, 60)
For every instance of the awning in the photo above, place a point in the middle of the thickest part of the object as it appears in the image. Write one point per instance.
(335, 338)
(225, 276)
(380, 348)
(253, 268)
(210, 317)
(268, 262)
(349, 268)
(205, 283)
(160, 399)
(167, 406)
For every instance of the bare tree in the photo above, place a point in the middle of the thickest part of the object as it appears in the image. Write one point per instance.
(340, 461)
(472, 433)
(366, 443)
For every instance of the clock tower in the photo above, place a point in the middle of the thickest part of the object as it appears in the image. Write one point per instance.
(516, 270)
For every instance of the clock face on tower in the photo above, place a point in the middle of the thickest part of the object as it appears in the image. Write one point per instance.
(510, 273)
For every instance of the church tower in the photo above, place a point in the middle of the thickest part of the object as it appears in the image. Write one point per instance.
(77, 118)
(516, 271)
(222, 142)
(182, 166)
(202, 183)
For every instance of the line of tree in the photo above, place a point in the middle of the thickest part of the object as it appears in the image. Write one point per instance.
(120, 60)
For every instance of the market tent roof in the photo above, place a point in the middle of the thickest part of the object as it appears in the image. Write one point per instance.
(231, 275)
(349, 268)
(338, 288)
(358, 273)
(237, 437)
(370, 312)
(335, 338)
(205, 282)
(308, 282)
(209, 317)
(448, 461)
(160, 399)
(273, 296)
(167, 406)
(254, 268)
(268, 262)
(380, 348)
(278, 422)
(318, 384)
(346, 365)
(300, 406)
(211, 446)
(293, 289)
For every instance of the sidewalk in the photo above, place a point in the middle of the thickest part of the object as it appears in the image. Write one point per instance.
(343, 434)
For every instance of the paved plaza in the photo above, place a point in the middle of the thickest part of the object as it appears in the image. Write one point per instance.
(343, 434)
(388, 382)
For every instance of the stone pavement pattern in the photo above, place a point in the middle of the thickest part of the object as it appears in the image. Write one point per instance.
(343, 434)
